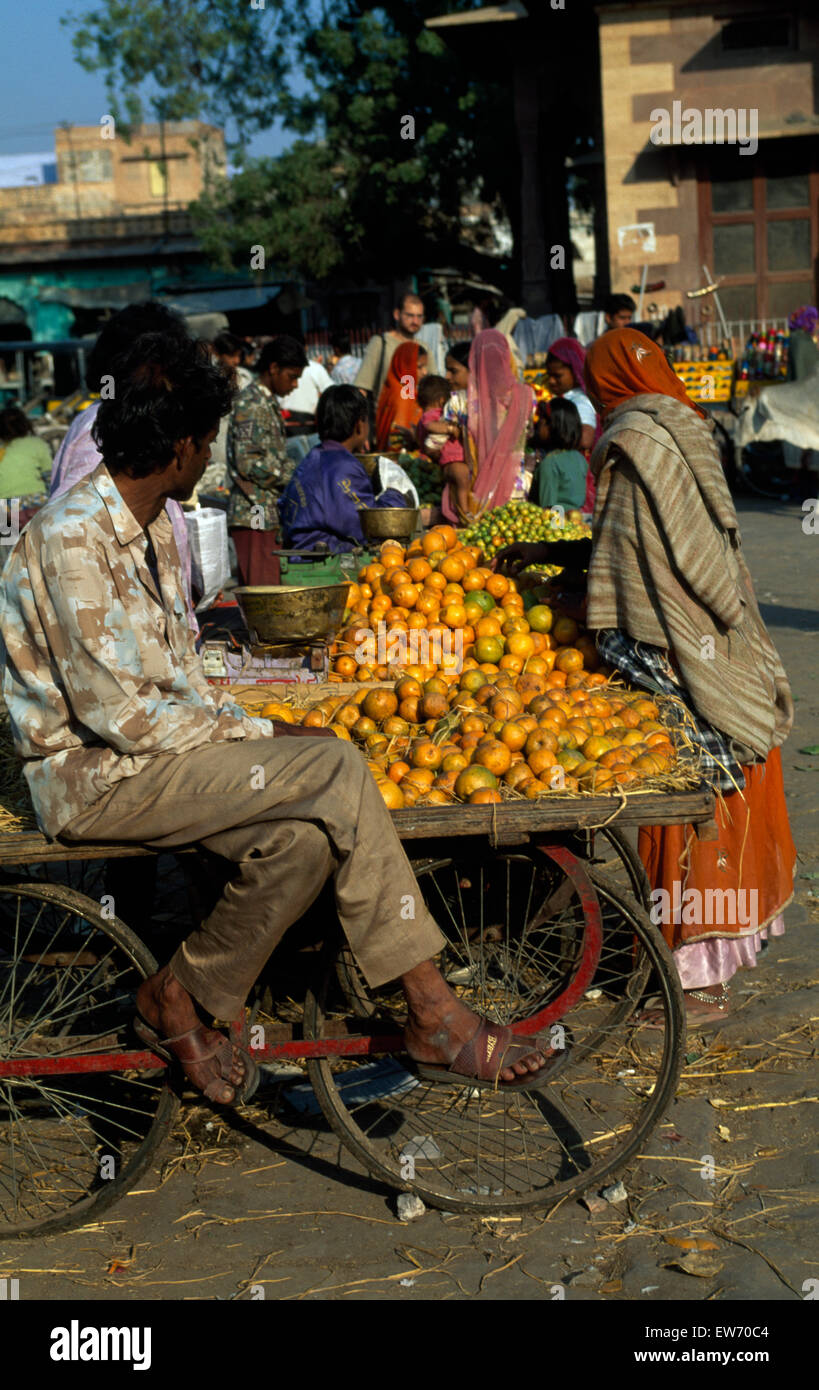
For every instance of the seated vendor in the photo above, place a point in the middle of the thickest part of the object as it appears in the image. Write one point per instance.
(124, 741)
(319, 506)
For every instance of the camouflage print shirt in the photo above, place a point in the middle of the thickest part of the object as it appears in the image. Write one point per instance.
(257, 457)
(100, 668)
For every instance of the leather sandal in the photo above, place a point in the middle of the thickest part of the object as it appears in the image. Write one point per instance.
(481, 1059)
(222, 1049)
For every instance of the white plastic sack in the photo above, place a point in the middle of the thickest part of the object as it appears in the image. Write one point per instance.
(210, 565)
(393, 475)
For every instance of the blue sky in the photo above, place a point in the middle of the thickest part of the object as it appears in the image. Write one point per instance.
(42, 85)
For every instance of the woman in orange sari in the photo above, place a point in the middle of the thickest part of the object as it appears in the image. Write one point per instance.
(398, 407)
(672, 605)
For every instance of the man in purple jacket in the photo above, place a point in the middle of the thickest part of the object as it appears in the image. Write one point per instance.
(320, 503)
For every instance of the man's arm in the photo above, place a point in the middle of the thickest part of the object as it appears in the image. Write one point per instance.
(368, 371)
(97, 652)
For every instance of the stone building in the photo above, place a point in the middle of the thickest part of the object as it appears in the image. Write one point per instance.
(711, 149)
(106, 224)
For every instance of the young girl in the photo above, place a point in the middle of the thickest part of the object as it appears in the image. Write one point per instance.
(433, 394)
(455, 421)
(560, 476)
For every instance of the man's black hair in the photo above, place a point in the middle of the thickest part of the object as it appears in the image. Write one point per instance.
(460, 351)
(283, 351)
(564, 424)
(14, 423)
(615, 303)
(432, 389)
(228, 345)
(121, 331)
(165, 389)
(338, 412)
(340, 343)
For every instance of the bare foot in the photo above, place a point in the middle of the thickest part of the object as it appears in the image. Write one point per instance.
(698, 1011)
(168, 1008)
(439, 1025)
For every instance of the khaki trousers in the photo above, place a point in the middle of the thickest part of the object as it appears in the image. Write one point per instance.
(289, 812)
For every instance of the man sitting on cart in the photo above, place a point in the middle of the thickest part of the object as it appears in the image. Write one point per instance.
(124, 741)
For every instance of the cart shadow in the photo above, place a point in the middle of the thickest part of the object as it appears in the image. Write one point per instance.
(313, 1163)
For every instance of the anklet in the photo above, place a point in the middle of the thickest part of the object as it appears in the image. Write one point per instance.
(718, 1001)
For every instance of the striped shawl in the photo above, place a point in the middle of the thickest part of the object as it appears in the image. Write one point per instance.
(667, 568)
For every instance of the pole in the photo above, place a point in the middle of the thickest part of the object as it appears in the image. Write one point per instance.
(706, 272)
(163, 164)
(642, 292)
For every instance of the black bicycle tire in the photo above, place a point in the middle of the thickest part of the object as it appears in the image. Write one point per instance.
(632, 863)
(168, 1105)
(343, 1124)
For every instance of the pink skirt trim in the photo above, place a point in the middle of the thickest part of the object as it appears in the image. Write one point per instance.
(716, 961)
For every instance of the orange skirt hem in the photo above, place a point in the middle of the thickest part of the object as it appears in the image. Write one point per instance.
(749, 868)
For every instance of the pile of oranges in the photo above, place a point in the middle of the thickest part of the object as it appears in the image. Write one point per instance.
(484, 738)
(438, 587)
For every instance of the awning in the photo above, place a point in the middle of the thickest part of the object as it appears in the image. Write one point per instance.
(205, 301)
(97, 297)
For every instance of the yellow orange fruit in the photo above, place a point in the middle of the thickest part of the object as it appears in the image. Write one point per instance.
(489, 649)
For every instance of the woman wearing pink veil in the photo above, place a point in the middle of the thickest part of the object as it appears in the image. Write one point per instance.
(498, 413)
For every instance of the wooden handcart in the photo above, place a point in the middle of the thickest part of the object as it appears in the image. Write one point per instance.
(544, 908)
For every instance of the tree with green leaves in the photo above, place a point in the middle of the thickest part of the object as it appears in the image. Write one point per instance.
(394, 130)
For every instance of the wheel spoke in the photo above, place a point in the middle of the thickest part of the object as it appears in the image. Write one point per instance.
(53, 1129)
(516, 939)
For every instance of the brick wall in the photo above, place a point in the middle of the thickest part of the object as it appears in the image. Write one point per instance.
(654, 56)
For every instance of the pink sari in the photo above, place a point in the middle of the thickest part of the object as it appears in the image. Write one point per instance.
(499, 410)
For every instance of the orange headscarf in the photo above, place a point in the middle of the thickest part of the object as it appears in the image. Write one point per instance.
(398, 402)
(623, 363)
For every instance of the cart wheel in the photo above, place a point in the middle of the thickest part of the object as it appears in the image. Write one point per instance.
(471, 1149)
(70, 1144)
(624, 867)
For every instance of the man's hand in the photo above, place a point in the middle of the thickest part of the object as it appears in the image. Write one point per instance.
(514, 558)
(282, 730)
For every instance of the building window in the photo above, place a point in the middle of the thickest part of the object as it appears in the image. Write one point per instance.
(157, 179)
(86, 166)
(760, 234)
(768, 31)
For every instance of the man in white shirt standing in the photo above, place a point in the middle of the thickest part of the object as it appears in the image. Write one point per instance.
(303, 400)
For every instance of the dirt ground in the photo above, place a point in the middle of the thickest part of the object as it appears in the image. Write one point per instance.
(238, 1206)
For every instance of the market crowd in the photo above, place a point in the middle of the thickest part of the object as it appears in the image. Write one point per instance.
(124, 740)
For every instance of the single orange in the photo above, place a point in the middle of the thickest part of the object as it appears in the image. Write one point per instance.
(513, 735)
(495, 755)
(565, 631)
(452, 568)
(345, 666)
(454, 615)
(419, 569)
(497, 585)
(520, 644)
(569, 660)
(474, 777)
(488, 648)
(379, 704)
